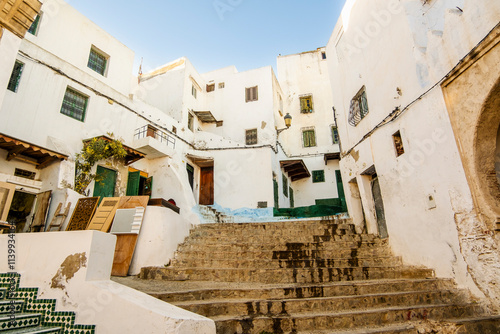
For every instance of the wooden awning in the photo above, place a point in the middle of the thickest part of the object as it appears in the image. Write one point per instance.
(132, 155)
(332, 156)
(205, 116)
(30, 153)
(296, 169)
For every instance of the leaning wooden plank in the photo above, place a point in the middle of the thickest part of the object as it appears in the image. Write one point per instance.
(105, 213)
(125, 246)
(83, 213)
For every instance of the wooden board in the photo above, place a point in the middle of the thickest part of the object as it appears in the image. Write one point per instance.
(41, 210)
(125, 246)
(83, 213)
(6, 195)
(104, 215)
(132, 202)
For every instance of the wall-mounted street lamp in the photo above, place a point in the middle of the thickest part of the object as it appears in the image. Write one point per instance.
(288, 123)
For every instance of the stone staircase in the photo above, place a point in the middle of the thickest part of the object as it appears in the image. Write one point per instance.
(308, 277)
(22, 312)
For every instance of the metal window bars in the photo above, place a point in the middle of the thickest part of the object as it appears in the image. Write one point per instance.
(150, 131)
(359, 108)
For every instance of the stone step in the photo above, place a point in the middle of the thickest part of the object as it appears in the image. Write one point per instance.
(222, 246)
(271, 228)
(313, 275)
(277, 264)
(288, 291)
(284, 255)
(281, 226)
(292, 323)
(22, 320)
(270, 239)
(482, 325)
(269, 308)
(390, 329)
(9, 306)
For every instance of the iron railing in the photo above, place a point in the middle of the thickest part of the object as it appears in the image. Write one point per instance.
(150, 131)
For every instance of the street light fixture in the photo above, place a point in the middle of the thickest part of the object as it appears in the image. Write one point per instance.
(288, 123)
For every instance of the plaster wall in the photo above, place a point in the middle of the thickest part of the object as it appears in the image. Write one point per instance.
(497, 157)
(300, 75)
(161, 231)
(74, 268)
(9, 45)
(65, 32)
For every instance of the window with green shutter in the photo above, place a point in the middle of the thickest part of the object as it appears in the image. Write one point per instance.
(306, 104)
(309, 138)
(97, 61)
(15, 77)
(285, 185)
(34, 26)
(74, 104)
(335, 135)
(318, 176)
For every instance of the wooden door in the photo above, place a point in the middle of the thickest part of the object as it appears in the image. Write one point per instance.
(207, 186)
(379, 208)
(133, 183)
(41, 210)
(105, 182)
(6, 195)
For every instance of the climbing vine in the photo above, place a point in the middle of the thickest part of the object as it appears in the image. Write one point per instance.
(93, 151)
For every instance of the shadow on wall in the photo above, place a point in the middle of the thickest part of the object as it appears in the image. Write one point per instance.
(497, 157)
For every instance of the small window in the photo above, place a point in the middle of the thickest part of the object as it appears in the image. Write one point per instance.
(34, 26)
(318, 176)
(74, 104)
(24, 174)
(174, 129)
(398, 144)
(251, 137)
(306, 104)
(222, 85)
(190, 121)
(97, 61)
(252, 94)
(15, 77)
(210, 88)
(285, 185)
(335, 135)
(359, 107)
(309, 137)
(323, 55)
(194, 91)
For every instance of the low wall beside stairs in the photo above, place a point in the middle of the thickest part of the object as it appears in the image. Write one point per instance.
(74, 269)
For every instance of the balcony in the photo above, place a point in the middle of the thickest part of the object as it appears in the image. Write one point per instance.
(154, 142)
(18, 15)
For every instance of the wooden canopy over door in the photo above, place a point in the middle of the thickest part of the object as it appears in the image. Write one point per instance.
(207, 185)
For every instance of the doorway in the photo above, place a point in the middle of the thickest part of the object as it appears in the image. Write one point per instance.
(20, 209)
(105, 182)
(207, 185)
(139, 184)
(379, 207)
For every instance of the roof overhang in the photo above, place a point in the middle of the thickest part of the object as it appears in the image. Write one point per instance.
(205, 116)
(296, 169)
(332, 156)
(21, 150)
(132, 154)
(201, 161)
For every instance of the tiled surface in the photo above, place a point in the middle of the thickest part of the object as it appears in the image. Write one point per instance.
(33, 312)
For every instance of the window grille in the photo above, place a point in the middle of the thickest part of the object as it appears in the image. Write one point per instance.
(15, 77)
(74, 104)
(97, 62)
(335, 135)
(359, 108)
(318, 176)
(251, 137)
(24, 174)
(306, 104)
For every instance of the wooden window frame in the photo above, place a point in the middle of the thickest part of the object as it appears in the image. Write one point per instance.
(222, 85)
(194, 91)
(190, 121)
(359, 107)
(304, 107)
(335, 135)
(252, 94)
(307, 143)
(210, 88)
(398, 143)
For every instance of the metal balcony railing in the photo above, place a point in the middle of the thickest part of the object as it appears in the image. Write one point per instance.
(151, 131)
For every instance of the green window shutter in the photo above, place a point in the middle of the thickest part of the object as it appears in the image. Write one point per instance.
(285, 185)
(276, 194)
(318, 176)
(133, 183)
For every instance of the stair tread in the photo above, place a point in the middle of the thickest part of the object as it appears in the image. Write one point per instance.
(164, 286)
(364, 330)
(473, 319)
(345, 297)
(337, 313)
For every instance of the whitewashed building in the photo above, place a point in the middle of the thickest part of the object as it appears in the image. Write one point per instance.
(415, 86)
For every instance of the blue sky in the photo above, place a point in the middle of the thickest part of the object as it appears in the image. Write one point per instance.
(215, 33)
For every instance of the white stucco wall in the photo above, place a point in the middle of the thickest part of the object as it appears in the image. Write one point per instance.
(44, 261)
(9, 45)
(380, 45)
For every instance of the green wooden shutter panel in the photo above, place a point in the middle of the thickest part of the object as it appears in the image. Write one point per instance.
(133, 183)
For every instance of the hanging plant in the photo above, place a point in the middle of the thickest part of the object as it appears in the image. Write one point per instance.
(93, 151)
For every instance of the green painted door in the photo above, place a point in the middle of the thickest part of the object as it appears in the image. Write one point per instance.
(276, 194)
(340, 189)
(105, 182)
(133, 182)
